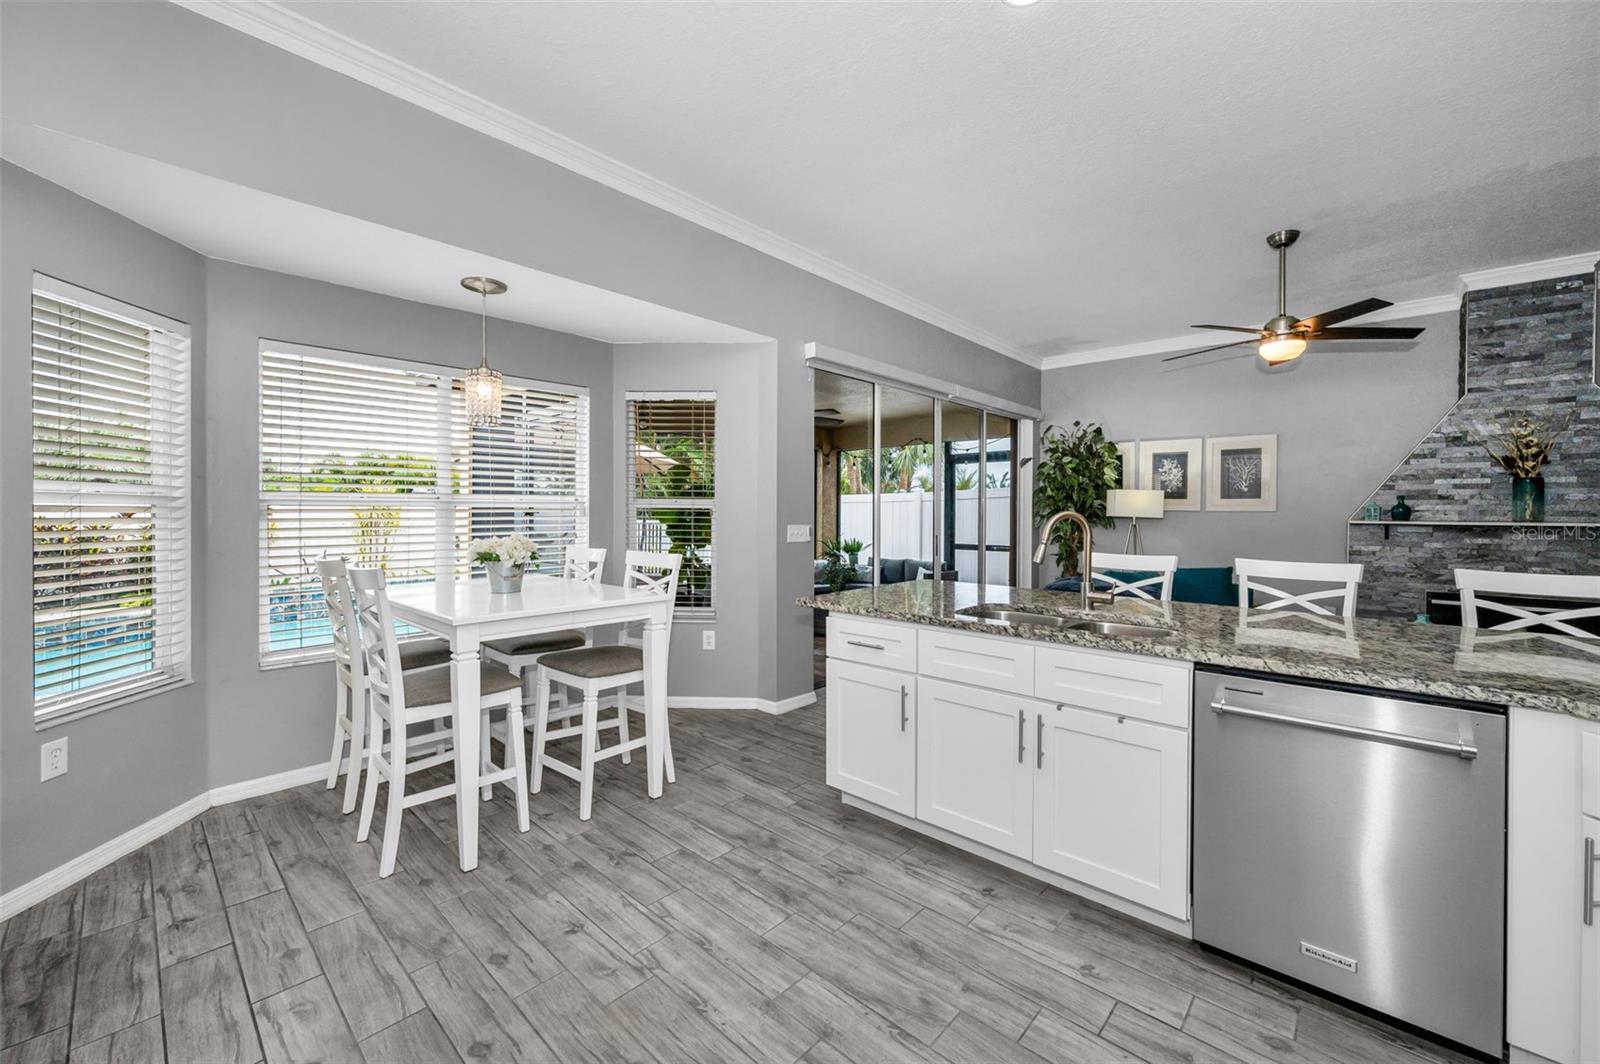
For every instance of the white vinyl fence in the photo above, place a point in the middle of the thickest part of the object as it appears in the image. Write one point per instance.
(908, 522)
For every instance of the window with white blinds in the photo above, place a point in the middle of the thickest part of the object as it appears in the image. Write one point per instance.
(672, 488)
(111, 592)
(372, 460)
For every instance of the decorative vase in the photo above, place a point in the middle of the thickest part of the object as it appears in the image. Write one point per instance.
(1527, 499)
(855, 559)
(504, 578)
(1400, 511)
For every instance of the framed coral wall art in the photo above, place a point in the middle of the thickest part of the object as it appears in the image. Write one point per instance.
(1173, 468)
(1242, 473)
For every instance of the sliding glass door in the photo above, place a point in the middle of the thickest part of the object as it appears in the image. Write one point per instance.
(914, 486)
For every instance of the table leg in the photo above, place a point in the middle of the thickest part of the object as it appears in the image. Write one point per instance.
(655, 700)
(467, 717)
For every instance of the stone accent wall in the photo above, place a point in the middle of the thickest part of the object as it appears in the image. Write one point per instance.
(1529, 349)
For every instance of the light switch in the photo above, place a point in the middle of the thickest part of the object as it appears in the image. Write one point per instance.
(799, 533)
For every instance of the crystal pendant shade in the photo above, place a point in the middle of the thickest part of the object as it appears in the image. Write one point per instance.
(482, 387)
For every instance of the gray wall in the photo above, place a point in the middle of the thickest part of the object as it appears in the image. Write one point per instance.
(733, 372)
(141, 759)
(235, 108)
(1345, 415)
(267, 721)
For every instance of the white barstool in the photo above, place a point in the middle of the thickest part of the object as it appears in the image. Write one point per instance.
(400, 699)
(594, 670)
(583, 566)
(1161, 566)
(1478, 586)
(350, 675)
(1344, 578)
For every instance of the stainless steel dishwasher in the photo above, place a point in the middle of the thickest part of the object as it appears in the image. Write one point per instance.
(1356, 842)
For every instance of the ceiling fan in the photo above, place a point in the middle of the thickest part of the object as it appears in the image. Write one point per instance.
(1284, 338)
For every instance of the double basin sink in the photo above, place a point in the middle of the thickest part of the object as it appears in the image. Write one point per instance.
(1013, 615)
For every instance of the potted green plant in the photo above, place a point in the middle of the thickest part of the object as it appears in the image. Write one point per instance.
(836, 572)
(1077, 466)
(852, 549)
(1524, 451)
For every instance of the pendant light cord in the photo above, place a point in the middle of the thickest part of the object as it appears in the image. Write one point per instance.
(483, 333)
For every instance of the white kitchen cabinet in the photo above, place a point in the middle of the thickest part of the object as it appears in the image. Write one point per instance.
(974, 764)
(1111, 805)
(1552, 956)
(872, 734)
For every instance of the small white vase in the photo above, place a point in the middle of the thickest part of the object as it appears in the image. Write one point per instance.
(504, 577)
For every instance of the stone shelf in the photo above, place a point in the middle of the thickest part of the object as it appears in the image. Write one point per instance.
(1488, 524)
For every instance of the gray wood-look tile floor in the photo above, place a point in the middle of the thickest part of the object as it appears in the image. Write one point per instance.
(745, 916)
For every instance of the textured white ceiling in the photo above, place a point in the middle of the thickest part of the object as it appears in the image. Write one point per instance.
(1069, 176)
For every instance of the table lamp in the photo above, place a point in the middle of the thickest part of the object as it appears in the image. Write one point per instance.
(1134, 503)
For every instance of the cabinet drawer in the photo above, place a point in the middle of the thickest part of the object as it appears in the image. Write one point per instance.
(995, 662)
(1591, 773)
(893, 646)
(1156, 691)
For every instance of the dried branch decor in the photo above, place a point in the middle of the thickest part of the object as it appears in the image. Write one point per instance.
(1525, 448)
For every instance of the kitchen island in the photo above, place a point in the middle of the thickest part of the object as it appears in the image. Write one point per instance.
(1057, 742)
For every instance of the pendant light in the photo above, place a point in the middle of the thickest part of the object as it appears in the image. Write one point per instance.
(481, 385)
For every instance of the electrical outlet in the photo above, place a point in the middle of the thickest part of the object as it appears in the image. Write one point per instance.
(53, 759)
(799, 533)
(708, 639)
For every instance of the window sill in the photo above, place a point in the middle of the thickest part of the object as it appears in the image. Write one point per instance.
(293, 661)
(69, 714)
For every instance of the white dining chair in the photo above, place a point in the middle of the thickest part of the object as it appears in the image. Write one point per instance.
(401, 699)
(596, 670)
(1479, 588)
(584, 566)
(350, 676)
(1160, 566)
(1340, 580)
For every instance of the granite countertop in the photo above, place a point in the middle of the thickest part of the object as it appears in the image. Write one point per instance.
(1552, 673)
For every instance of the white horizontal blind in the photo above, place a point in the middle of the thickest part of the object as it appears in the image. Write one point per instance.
(111, 592)
(672, 490)
(372, 460)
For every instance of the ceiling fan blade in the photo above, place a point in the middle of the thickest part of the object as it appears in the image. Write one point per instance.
(1331, 317)
(1368, 332)
(1203, 350)
(1228, 328)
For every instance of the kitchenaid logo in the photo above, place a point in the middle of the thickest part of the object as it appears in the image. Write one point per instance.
(1581, 535)
(1317, 953)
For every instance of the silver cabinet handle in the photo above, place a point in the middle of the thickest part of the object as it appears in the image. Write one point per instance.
(1038, 743)
(1590, 859)
(1022, 723)
(860, 643)
(1462, 749)
(902, 707)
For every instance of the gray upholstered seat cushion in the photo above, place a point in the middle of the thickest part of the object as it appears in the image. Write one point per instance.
(542, 643)
(432, 686)
(423, 653)
(595, 662)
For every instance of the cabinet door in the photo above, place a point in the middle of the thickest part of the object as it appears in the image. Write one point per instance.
(974, 776)
(872, 734)
(1589, 976)
(1111, 806)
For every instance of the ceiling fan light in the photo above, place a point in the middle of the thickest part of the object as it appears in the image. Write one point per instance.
(1281, 349)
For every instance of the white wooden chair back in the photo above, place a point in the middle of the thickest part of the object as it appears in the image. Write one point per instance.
(385, 678)
(1478, 585)
(654, 571)
(347, 642)
(1162, 566)
(585, 565)
(1251, 572)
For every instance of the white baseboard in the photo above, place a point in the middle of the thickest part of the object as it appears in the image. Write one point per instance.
(84, 865)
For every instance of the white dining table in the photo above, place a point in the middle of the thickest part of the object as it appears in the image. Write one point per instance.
(467, 614)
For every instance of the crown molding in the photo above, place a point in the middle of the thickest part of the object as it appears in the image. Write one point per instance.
(295, 33)
(1522, 273)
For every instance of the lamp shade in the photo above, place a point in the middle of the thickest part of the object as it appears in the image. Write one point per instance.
(1129, 502)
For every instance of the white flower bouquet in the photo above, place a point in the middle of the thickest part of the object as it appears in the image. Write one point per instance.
(504, 559)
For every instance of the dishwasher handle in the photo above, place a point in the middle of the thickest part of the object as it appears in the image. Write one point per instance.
(1461, 748)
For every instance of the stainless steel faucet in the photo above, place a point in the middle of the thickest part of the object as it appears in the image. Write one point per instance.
(1087, 597)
